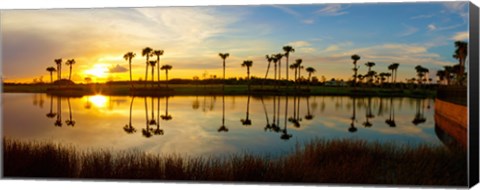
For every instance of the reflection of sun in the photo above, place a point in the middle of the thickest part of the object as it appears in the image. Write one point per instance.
(98, 100)
(98, 70)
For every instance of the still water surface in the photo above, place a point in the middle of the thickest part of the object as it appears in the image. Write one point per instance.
(215, 125)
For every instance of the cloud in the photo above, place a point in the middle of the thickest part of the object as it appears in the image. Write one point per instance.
(287, 10)
(299, 44)
(332, 10)
(117, 69)
(431, 27)
(422, 16)
(460, 36)
(458, 7)
(308, 21)
(409, 30)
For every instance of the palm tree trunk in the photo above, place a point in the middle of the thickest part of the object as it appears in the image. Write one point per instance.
(153, 75)
(146, 73)
(166, 75)
(286, 68)
(158, 71)
(70, 73)
(248, 78)
(51, 77)
(130, 69)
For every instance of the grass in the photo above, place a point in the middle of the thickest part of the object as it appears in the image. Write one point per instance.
(320, 161)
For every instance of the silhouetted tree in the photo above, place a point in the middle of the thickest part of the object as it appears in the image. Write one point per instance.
(224, 56)
(152, 64)
(279, 57)
(158, 53)
(147, 52)
(370, 65)
(70, 63)
(166, 68)
(129, 56)
(248, 64)
(394, 67)
(355, 58)
(59, 68)
(461, 53)
(269, 59)
(288, 50)
(51, 70)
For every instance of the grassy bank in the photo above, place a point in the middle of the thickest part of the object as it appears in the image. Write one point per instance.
(213, 89)
(335, 161)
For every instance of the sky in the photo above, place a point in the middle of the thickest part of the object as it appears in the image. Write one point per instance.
(324, 36)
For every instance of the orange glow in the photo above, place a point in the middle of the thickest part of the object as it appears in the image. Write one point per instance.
(99, 101)
(98, 71)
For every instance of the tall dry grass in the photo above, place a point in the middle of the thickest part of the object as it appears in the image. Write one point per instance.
(319, 161)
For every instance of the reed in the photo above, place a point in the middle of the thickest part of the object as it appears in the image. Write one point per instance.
(319, 161)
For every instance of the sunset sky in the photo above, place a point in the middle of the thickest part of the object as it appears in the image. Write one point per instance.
(323, 35)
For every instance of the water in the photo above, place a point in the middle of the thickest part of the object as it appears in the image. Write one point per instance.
(192, 125)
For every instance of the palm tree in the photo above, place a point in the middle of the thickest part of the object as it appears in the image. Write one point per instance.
(441, 74)
(448, 73)
(224, 56)
(152, 64)
(51, 70)
(70, 121)
(129, 56)
(310, 71)
(129, 127)
(269, 59)
(70, 63)
(461, 53)
(166, 68)
(279, 56)
(370, 65)
(248, 64)
(394, 68)
(355, 58)
(59, 68)
(147, 52)
(297, 63)
(287, 50)
(158, 53)
(275, 60)
(420, 73)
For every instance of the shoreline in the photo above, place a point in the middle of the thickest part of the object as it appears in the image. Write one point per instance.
(216, 89)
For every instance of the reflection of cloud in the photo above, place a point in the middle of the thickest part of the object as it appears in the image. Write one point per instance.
(117, 69)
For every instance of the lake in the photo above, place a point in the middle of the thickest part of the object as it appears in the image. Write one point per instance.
(215, 125)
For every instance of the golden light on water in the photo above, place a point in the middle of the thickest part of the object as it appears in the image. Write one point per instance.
(99, 101)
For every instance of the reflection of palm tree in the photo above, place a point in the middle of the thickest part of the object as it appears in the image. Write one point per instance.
(368, 113)
(51, 114)
(196, 103)
(88, 104)
(352, 128)
(147, 52)
(223, 128)
(129, 56)
(70, 63)
(391, 118)
(58, 121)
(158, 131)
(285, 135)
(274, 125)
(129, 128)
(247, 121)
(51, 70)
(152, 119)
(295, 118)
(309, 116)
(166, 68)
(147, 132)
(166, 116)
(70, 121)
(419, 117)
(268, 126)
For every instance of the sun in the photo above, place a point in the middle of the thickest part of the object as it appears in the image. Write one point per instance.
(98, 71)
